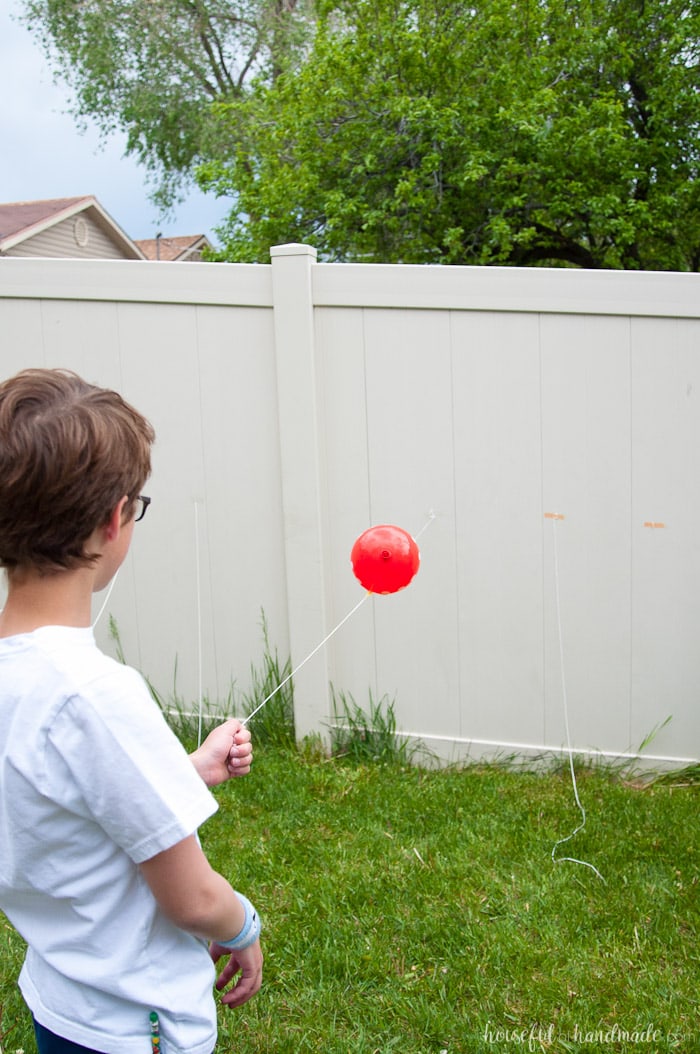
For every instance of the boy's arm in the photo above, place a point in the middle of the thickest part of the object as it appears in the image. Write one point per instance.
(200, 900)
(226, 752)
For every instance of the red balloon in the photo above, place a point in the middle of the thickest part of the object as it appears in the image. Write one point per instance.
(385, 558)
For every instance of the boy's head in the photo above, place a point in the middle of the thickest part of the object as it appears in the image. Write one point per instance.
(69, 451)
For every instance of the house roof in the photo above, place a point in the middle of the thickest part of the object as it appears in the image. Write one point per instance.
(181, 248)
(21, 220)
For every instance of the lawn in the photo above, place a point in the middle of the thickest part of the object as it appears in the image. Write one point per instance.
(418, 911)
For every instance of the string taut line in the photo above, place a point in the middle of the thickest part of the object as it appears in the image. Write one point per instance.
(431, 517)
(304, 661)
(287, 679)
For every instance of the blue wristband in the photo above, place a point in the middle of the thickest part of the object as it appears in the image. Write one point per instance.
(250, 930)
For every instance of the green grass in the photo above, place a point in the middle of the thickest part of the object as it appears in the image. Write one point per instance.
(418, 911)
(369, 735)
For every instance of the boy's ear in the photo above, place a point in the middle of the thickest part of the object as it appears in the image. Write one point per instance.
(115, 521)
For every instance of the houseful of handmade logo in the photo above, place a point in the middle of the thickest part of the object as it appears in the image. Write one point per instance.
(538, 1037)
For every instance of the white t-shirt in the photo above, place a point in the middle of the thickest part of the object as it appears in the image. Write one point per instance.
(92, 783)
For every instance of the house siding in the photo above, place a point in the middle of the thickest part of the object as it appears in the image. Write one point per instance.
(65, 238)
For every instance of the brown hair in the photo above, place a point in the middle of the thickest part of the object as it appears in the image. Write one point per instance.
(69, 451)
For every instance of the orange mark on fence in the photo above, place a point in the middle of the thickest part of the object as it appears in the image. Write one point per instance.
(553, 516)
(653, 525)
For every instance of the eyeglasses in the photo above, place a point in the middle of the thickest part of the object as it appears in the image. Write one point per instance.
(145, 502)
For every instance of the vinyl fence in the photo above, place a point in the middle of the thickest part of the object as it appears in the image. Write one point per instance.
(539, 429)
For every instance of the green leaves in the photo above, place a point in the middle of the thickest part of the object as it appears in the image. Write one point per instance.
(420, 131)
(508, 132)
(153, 69)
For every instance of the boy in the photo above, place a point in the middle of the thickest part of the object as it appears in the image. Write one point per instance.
(100, 867)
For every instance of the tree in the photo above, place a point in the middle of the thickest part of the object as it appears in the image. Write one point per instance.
(152, 68)
(502, 131)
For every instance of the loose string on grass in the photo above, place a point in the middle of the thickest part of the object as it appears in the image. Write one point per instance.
(555, 517)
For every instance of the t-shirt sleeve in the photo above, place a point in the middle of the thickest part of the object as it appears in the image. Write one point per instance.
(128, 771)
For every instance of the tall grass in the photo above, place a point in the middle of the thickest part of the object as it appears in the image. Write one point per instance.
(369, 735)
(270, 683)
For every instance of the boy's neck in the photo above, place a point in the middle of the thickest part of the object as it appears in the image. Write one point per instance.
(60, 599)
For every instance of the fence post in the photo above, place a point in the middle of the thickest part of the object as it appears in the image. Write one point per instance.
(301, 483)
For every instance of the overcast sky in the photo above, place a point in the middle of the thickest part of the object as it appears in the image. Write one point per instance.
(43, 155)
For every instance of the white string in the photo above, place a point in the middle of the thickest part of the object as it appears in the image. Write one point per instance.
(567, 859)
(431, 517)
(106, 599)
(304, 661)
(200, 700)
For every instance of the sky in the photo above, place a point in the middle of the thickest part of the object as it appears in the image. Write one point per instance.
(43, 154)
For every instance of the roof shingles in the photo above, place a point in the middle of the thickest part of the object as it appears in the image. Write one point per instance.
(19, 216)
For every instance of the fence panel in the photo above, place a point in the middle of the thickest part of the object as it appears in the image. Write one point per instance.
(498, 512)
(208, 560)
(298, 403)
(586, 478)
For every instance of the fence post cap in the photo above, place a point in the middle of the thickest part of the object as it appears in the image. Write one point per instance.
(293, 249)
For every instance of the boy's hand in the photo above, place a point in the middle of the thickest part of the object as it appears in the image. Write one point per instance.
(226, 752)
(248, 963)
